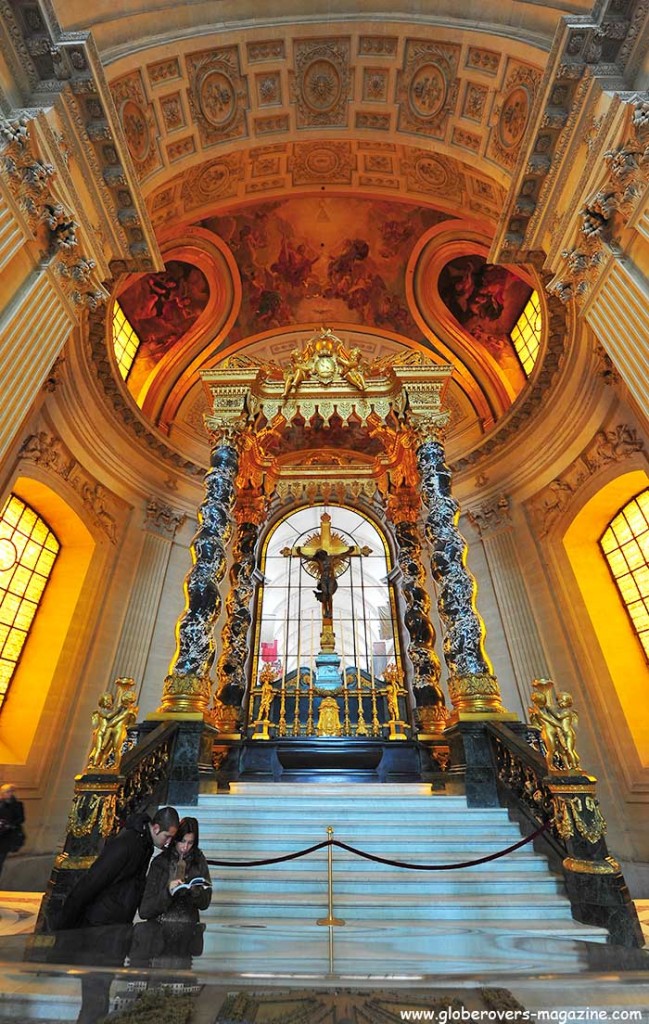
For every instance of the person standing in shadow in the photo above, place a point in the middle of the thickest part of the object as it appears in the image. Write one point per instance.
(12, 817)
(178, 887)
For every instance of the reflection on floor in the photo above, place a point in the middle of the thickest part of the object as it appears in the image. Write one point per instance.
(269, 971)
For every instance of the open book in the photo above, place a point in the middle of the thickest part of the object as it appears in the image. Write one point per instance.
(195, 883)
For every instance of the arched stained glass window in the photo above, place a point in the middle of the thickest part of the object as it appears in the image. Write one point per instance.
(28, 550)
(526, 333)
(125, 341)
(625, 543)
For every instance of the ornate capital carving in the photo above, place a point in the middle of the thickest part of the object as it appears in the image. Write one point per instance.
(492, 516)
(162, 519)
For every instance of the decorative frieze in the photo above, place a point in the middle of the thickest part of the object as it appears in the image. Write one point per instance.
(608, 446)
(50, 454)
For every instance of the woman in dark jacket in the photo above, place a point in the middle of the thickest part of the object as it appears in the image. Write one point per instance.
(171, 914)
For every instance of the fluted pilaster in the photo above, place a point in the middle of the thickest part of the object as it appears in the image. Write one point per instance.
(620, 318)
(160, 525)
(33, 330)
(519, 624)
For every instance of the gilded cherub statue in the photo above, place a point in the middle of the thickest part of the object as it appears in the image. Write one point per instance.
(100, 719)
(568, 720)
(556, 724)
(393, 689)
(111, 726)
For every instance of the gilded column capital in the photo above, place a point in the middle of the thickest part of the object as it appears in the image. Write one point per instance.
(427, 428)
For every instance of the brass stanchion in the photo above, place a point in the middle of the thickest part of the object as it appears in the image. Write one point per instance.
(330, 919)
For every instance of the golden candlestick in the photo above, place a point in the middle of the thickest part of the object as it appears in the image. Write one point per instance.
(347, 728)
(376, 725)
(310, 728)
(361, 727)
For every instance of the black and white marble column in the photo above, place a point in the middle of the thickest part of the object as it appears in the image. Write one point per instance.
(472, 685)
(187, 687)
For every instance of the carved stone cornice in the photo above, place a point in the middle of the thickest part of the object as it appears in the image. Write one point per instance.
(608, 446)
(162, 519)
(585, 48)
(52, 67)
(491, 517)
(607, 211)
(123, 404)
(49, 453)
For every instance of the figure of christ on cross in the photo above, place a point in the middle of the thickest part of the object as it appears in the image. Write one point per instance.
(323, 556)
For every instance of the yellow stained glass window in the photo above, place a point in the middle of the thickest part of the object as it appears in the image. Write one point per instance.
(625, 544)
(28, 550)
(125, 341)
(526, 334)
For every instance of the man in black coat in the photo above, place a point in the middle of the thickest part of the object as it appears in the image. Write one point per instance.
(94, 924)
(111, 889)
(12, 816)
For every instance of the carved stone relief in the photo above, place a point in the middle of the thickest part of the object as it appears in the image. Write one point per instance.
(428, 172)
(162, 519)
(272, 49)
(312, 162)
(173, 114)
(217, 179)
(163, 71)
(375, 85)
(218, 95)
(138, 121)
(492, 516)
(321, 82)
(427, 87)
(512, 114)
(608, 446)
(49, 452)
(486, 61)
(269, 89)
(377, 46)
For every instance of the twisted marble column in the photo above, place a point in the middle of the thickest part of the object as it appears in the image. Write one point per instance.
(472, 685)
(431, 705)
(231, 674)
(187, 687)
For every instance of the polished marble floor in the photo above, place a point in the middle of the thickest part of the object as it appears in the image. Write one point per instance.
(265, 965)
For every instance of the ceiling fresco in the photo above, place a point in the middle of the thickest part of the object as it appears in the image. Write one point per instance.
(324, 260)
(486, 300)
(161, 309)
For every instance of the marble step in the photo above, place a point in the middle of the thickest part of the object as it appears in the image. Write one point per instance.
(370, 906)
(520, 863)
(395, 883)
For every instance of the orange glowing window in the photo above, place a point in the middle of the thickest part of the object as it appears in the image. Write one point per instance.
(125, 341)
(28, 550)
(625, 543)
(526, 334)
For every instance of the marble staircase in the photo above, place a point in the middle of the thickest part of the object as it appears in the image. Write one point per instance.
(434, 913)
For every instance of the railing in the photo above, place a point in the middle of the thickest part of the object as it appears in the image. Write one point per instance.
(102, 801)
(574, 838)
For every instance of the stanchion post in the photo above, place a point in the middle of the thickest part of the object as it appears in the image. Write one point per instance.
(330, 920)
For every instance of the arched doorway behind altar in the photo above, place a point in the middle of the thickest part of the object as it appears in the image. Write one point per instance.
(314, 679)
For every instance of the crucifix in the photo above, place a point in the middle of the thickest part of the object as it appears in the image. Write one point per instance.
(325, 555)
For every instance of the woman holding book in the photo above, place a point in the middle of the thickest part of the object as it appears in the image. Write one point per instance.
(177, 888)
